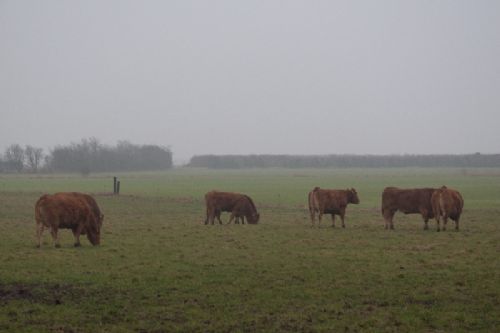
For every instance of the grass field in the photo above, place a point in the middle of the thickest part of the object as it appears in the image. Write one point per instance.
(160, 270)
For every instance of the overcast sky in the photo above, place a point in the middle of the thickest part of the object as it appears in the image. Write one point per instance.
(240, 77)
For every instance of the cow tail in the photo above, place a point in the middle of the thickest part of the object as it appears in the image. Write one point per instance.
(310, 202)
(441, 205)
(206, 212)
(206, 208)
(38, 210)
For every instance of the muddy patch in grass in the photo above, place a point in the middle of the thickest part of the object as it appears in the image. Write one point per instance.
(54, 294)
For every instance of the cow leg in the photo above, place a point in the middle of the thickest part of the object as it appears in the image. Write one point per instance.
(384, 215)
(426, 218)
(445, 221)
(438, 221)
(342, 217)
(388, 217)
(218, 218)
(313, 215)
(77, 237)
(207, 217)
(320, 215)
(77, 233)
(55, 236)
(211, 216)
(231, 218)
(333, 220)
(426, 224)
(456, 223)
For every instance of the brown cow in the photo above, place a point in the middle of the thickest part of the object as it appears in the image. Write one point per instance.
(408, 201)
(447, 203)
(239, 205)
(76, 211)
(332, 202)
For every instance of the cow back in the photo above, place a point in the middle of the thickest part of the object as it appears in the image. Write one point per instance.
(222, 201)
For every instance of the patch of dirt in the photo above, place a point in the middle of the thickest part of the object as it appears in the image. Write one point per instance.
(54, 294)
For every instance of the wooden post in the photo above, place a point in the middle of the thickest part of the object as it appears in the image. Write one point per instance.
(118, 187)
(114, 185)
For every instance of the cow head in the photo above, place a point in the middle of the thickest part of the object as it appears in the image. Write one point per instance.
(94, 230)
(94, 238)
(253, 218)
(353, 197)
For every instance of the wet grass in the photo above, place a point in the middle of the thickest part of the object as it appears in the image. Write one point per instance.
(160, 270)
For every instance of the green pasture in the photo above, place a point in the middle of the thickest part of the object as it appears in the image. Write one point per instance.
(159, 269)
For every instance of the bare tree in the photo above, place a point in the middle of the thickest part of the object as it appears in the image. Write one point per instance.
(33, 157)
(14, 157)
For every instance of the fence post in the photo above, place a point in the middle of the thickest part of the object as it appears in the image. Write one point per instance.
(114, 185)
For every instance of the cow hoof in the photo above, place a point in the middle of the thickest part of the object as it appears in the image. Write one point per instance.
(77, 244)
(343, 226)
(438, 230)
(58, 245)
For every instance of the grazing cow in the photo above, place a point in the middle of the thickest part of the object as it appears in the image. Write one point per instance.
(332, 202)
(447, 203)
(76, 211)
(408, 201)
(239, 205)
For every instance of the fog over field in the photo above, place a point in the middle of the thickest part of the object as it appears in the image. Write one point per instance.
(263, 77)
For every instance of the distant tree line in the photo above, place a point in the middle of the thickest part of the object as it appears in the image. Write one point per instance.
(87, 156)
(343, 161)
(19, 159)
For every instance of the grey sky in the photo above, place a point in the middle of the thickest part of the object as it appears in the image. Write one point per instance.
(239, 77)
